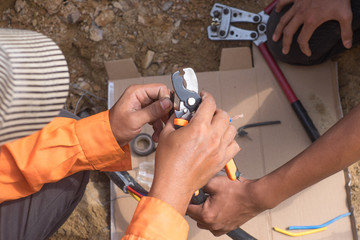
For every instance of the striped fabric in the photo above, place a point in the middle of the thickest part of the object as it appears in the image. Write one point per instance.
(34, 82)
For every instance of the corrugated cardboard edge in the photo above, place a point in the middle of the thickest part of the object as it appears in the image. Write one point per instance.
(347, 174)
(346, 171)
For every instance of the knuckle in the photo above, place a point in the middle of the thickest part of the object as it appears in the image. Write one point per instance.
(346, 18)
(232, 130)
(209, 218)
(200, 130)
(311, 20)
(287, 32)
(132, 88)
(301, 41)
(216, 227)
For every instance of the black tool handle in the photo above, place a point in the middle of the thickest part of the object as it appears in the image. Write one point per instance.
(236, 234)
(305, 120)
(198, 199)
(239, 234)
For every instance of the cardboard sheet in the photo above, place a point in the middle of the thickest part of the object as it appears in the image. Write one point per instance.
(241, 87)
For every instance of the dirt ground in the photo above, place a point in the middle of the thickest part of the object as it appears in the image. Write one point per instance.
(159, 36)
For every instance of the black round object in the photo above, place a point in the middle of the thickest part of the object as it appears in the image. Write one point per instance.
(143, 144)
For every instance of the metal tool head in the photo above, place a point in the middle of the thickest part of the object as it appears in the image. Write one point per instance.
(222, 18)
(186, 88)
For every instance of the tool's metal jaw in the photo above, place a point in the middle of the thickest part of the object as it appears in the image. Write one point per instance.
(186, 88)
(223, 16)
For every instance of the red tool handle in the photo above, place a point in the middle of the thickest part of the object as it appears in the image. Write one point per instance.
(277, 73)
(295, 102)
(268, 9)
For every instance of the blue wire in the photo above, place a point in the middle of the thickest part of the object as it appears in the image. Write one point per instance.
(319, 226)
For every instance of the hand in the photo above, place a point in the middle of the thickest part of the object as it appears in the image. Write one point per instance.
(310, 14)
(229, 205)
(188, 157)
(140, 104)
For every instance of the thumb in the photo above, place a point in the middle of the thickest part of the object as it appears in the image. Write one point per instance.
(154, 111)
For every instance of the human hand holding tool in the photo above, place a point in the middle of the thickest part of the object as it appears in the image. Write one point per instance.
(189, 102)
(229, 205)
(140, 104)
(188, 157)
(309, 15)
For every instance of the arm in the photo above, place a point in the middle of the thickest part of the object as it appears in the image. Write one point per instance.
(66, 146)
(309, 15)
(185, 160)
(338, 148)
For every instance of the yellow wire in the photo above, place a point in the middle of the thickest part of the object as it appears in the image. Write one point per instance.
(299, 233)
(134, 196)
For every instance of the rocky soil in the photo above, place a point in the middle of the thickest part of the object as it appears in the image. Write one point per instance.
(159, 36)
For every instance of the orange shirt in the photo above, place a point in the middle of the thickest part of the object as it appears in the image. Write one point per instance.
(66, 146)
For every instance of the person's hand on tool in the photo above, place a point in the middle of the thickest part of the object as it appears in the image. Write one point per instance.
(310, 14)
(229, 205)
(188, 157)
(140, 104)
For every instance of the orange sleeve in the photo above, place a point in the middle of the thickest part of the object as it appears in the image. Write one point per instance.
(63, 147)
(156, 220)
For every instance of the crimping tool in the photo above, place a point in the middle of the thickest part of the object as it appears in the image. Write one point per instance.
(221, 29)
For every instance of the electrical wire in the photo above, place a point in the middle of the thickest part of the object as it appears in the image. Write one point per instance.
(321, 225)
(134, 196)
(137, 193)
(291, 234)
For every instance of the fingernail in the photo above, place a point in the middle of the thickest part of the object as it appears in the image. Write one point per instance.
(348, 44)
(284, 51)
(155, 138)
(165, 103)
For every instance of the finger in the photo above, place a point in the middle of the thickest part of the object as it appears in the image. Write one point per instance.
(346, 30)
(218, 233)
(229, 135)
(148, 93)
(304, 37)
(221, 120)
(284, 20)
(281, 4)
(169, 126)
(157, 126)
(206, 110)
(288, 33)
(203, 226)
(215, 184)
(195, 211)
(153, 112)
(231, 151)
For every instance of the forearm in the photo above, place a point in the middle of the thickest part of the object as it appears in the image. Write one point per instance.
(63, 147)
(156, 219)
(335, 150)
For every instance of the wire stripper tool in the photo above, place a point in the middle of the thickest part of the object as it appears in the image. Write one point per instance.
(186, 88)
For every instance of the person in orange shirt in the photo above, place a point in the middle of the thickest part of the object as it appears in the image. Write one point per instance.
(44, 166)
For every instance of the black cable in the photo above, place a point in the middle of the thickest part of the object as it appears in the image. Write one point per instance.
(241, 132)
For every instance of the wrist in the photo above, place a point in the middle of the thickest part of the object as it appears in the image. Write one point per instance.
(175, 196)
(263, 194)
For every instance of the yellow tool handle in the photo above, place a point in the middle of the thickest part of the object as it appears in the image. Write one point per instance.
(231, 170)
